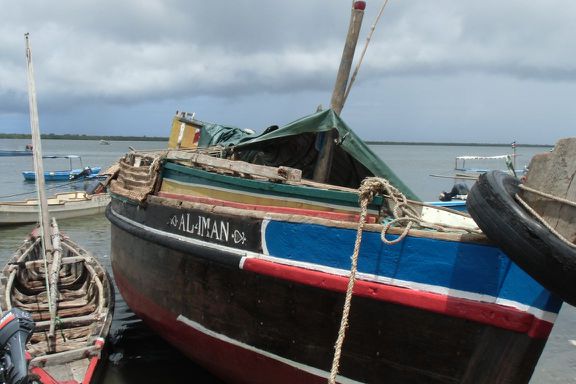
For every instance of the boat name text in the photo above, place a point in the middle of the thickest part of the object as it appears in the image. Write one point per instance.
(206, 227)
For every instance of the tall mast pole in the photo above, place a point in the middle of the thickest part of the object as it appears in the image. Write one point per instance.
(324, 162)
(37, 150)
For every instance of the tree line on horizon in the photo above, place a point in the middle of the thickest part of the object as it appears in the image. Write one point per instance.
(68, 136)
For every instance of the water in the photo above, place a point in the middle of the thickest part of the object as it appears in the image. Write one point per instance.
(138, 356)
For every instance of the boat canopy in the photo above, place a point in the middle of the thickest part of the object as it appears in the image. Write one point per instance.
(497, 157)
(297, 145)
(60, 157)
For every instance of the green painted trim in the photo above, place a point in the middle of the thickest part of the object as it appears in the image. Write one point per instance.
(184, 173)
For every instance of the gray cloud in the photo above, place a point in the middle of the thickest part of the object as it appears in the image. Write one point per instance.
(132, 53)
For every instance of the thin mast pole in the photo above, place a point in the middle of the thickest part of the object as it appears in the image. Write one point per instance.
(324, 162)
(47, 248)
(37, 149)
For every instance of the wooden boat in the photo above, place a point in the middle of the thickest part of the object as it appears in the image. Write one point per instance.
(61, 206)
(71, 173)
(59, 286)
(260, 258)
(66, 348)
(297, 256)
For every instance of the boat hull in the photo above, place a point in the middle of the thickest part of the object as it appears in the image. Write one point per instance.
(247, 304)
(60, 207)
(8, 153)
(60, 175)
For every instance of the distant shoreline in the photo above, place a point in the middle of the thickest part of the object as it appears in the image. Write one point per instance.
(458, 144)
(52, 136)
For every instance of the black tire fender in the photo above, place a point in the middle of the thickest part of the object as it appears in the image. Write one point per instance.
(531, 245)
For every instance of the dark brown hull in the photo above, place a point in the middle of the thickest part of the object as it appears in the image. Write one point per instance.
(248, 327)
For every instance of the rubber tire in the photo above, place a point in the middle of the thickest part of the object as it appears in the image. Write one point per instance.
(523, 238)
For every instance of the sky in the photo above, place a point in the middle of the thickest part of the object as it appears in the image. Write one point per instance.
(434, 71)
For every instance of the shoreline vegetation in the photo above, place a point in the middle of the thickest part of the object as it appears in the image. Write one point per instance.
(457, 144)
(67, 136)
(52, 136)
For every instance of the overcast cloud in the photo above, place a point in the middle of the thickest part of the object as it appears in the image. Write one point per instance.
(445, 70)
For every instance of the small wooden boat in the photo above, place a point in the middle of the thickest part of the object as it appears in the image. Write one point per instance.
(72, 318)
(52, 281)
(61, 206)
(72, 173)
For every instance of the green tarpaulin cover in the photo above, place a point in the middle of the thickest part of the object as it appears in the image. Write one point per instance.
(297, 145)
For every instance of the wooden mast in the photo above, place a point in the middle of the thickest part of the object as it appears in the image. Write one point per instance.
(324, 162)
(37, 149)
(50, 239)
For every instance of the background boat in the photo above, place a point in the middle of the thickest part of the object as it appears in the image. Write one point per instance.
(63, 205)
(67, 174)
(9, 153)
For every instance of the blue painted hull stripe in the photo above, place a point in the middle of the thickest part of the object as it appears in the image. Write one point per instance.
(482, 271)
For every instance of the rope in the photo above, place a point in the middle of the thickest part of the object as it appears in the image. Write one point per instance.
(540, 218)
(544, 194)
(365, 197)
(368, 38)
(61, 327)
(402, 213)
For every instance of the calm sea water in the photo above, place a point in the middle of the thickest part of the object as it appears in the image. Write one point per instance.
(138, 356)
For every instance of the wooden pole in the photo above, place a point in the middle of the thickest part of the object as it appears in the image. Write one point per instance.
(324, 162)
(37, 150)
(53, 280)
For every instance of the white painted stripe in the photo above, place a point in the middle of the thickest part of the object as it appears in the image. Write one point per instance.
(258, 195)
(263, 236)
(539, 313)
(302, 367)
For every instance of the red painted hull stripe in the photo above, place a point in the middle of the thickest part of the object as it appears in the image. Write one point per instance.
(230, 362)
(486, 313)
(91, 369)
(339, 216)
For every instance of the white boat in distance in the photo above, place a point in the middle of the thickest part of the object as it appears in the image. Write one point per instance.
(61, 206)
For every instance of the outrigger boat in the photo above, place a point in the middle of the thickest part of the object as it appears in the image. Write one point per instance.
(266, 262)
(57, 300)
